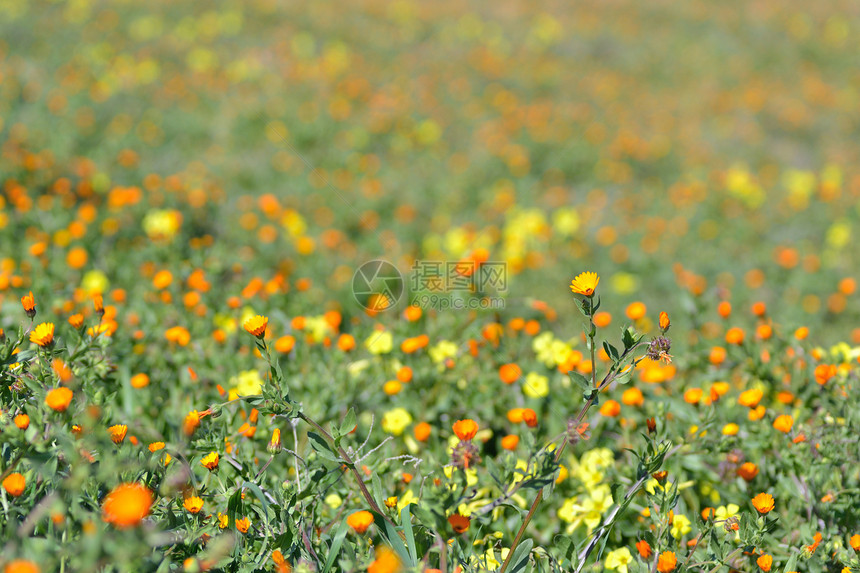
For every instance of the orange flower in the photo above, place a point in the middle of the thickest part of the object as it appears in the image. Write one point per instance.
(750, 398)
(58, 399)
(510, 373)
(585, 283)
(610, 408)
(602, 319)
(76, 320)
(281, 564)
(747, 471)
(156, 446)
(735, 335)
(275, 443)
(21, 566)
(243, 524)
(693, 395)
(643, 548)
(286, 343)
(99, 304)
(193, 504)
(14, 484)
(386, 562)
(764, 562)
(510, 442)
(117, 433)
(465, 429)
(666, 562)
(783, 423)
(763, 503)
(664, 321)
(345, 342)
(127, 504)
(824, 372)
(22, 421)
(801, 333)
(724, 309)
(530, 418)
(636, 310)
(459, 523)
(210, 461)
(43, 335)
(717, 355)
(632, 397)
(28, 301)
(256, 325)
(855, 542)
(422, 431)
(759, 309)
(139, 380)
(360, 521)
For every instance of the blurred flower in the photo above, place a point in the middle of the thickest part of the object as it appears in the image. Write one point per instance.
(127, 504)
(59, 399)
(535, 385)
(395, 421)
(247, 383)
(359, 521)
(386, 562)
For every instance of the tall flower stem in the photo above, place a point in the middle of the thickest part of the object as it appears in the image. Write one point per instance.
(605, 382)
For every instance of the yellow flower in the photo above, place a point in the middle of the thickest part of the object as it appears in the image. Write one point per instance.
(395, 421)
(247, 383)
(595, 506)
(193, 504)
(585, 284)
(94, 281)
(406, 499)
(442, 351)
(380, 342)
(680, 526)
(618, 559)
(333, 500)
(535, 385)
(43, 335)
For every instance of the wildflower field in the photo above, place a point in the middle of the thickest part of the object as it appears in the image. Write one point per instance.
(395, 285)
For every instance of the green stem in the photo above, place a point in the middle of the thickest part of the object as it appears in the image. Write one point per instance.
(607, 380)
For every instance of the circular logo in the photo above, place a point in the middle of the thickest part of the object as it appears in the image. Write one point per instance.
(377, 285)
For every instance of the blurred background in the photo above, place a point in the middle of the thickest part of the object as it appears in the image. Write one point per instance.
(688, 152)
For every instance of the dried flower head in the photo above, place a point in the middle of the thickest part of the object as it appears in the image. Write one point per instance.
(465, 455)
(659, 348)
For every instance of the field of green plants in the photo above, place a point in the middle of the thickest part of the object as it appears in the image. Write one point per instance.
(406, 286)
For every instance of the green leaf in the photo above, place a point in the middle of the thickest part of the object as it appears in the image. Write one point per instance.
(348, 423)
(520, 560)
(337, 541)
(610, 350)
(322, 447)
(406, 524)
(579, 379)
